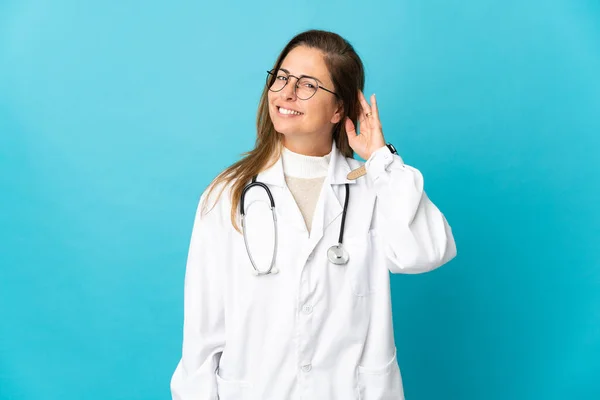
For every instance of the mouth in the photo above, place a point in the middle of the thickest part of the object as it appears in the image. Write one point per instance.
(288, 112)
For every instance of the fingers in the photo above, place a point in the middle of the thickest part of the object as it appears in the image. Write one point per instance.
(363, 103)
(374, 107)
(350, 132)
(369, 120)
(350, 128)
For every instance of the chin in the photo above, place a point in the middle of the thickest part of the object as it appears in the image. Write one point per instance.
(283, 131)
(282, 128)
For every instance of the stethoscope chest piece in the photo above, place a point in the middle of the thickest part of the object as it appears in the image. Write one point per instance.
(338, 255)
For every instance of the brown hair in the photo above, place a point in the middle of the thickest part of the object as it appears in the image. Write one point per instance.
(347, 74)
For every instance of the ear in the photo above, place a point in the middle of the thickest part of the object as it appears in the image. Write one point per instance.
(339, 113)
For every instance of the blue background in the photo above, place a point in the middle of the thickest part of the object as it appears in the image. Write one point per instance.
(114, 116)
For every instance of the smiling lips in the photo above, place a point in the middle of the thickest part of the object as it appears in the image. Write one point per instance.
(287, 112)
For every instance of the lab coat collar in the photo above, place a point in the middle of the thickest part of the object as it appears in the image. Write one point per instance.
(329, 206)
(336, 174)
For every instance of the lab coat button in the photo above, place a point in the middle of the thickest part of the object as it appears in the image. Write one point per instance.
(306, 368)
(307, 309)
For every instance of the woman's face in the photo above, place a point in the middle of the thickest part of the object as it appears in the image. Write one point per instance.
(319, 113)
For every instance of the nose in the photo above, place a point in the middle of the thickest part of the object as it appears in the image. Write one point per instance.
(289, 90)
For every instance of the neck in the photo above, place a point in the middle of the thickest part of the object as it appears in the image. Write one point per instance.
(303, 166)
(308, 146)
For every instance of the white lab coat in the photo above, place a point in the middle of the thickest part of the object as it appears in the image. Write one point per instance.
(315, 330)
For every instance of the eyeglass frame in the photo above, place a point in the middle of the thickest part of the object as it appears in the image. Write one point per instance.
(272, 72)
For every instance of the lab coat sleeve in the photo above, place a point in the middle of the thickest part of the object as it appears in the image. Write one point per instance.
(414, 233)
(203, 325)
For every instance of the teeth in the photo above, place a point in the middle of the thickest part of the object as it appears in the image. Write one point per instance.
(288, 112)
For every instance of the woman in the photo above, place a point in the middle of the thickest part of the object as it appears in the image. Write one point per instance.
(302, 319)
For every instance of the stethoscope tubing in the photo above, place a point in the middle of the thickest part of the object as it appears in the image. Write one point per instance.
(336, 249)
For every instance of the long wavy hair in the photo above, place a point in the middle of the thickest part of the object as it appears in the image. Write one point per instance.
(347, 74)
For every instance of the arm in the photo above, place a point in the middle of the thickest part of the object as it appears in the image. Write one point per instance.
(415, 234)
(204, 323)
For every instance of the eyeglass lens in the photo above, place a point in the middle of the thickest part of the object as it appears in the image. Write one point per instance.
(305, 87)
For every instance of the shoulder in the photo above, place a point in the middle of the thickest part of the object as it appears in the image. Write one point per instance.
(215, 201)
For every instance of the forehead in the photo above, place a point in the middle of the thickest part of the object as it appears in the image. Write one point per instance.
(306, 61)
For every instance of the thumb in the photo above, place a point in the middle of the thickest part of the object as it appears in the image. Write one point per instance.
(350, 129)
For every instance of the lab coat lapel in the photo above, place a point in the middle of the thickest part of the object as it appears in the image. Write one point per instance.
(285, 206)
(331, 200)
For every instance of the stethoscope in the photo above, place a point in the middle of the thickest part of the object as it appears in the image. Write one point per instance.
(336, 254)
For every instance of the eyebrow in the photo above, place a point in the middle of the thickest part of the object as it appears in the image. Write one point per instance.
(307, 76)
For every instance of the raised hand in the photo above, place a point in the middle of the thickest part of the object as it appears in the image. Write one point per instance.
(371, 134)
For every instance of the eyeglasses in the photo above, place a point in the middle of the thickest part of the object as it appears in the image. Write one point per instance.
(305, 87)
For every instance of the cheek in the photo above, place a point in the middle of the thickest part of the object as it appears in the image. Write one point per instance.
(320, 111)
(270, 99)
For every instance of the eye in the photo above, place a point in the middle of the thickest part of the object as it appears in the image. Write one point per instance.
(307, 83)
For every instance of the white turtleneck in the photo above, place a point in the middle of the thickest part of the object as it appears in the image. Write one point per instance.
(304, 176)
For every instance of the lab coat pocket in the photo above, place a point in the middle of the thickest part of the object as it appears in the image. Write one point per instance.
(382, 383)
(360, 264)
(231, 390)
